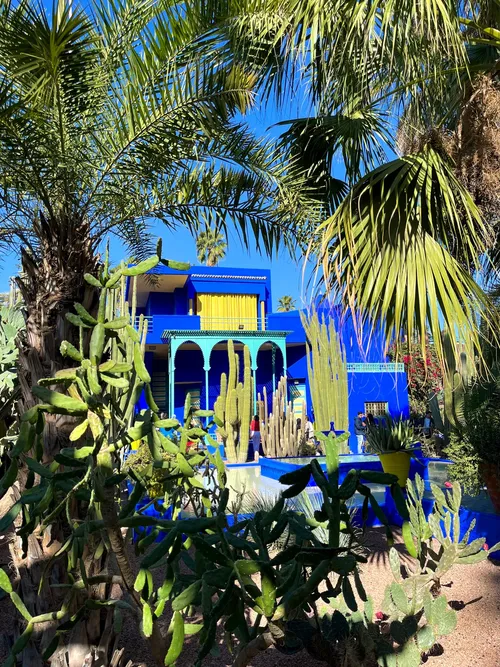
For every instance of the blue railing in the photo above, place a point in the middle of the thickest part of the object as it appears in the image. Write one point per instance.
(200, 323)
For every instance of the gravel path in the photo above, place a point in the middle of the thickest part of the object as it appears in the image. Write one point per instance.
(473, 590)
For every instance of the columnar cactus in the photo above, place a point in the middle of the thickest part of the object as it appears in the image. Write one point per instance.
(327, 373)
(233, 407)
(279, 432)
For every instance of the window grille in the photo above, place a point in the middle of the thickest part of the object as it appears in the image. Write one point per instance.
(377, 408)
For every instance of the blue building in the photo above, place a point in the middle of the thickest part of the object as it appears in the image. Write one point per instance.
(192, 314)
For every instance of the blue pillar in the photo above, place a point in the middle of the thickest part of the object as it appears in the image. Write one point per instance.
(254, 382)
(207, 401)
(273, 358)
(171, 383)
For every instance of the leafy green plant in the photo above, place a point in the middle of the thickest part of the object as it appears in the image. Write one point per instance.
(473, 445)
(12, 325)
(443, 526)
(79, 494)
(466, 467)
(390, 435)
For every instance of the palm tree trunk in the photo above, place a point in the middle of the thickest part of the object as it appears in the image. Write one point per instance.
(50, 283)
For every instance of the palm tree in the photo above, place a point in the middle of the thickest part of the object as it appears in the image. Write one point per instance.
(110, 116)
(403, 237)
(210, 247)
(286, 304)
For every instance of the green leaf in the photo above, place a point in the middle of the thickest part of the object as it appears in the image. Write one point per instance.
(425, 638)
(408, 539)
(175, 648)
(71, 406)
(140, 581)
(79, 431)
(5, 581)
(300, 476)
(160, 550)
(218, 577)
(10, 516)
(19, 604)
(187, 597)
(348, 594)
(247, 567)
(147, 620)
(184, 466)
(399, 597)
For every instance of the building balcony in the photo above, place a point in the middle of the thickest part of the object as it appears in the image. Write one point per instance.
(157, 324)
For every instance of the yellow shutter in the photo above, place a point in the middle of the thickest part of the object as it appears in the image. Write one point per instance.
(227, 311)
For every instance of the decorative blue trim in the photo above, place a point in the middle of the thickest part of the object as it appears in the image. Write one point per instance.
(230, 276)
(389, 367)
(225, 333)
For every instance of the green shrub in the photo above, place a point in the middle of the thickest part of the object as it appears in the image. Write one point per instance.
(466, 464)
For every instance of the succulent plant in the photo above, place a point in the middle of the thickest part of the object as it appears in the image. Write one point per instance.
(279, 432)
(327, 373)
(233, 407)
(390, 435)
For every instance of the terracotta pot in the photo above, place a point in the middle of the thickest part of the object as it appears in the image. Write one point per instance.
(397, 463)
(491, 476)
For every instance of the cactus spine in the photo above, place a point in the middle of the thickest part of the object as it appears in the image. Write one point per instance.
(327, 373)
(233, 406)
(279, 433)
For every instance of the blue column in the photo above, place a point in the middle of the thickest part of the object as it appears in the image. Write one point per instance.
(273, 358)
(207, 403)
(171, 383)
(254, 381)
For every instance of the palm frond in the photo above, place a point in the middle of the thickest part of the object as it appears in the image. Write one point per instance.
(387, 252)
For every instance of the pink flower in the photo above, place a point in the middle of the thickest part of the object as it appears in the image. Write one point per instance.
(379, 615)
(485, 547)
(448, 485)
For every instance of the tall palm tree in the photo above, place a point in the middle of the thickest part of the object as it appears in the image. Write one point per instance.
(403, 237)
(112, 115)
(286, 304)
(210, 247)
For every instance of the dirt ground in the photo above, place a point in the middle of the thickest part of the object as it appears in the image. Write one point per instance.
(473, 590)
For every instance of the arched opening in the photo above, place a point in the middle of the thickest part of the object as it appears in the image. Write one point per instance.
(219, 363)
(189, 378)
(270, 368)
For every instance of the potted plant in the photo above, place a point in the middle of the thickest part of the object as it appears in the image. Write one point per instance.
(393, 440)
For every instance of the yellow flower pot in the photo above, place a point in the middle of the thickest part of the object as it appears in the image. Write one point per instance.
(397, 464)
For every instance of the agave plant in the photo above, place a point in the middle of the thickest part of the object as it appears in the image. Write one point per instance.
(390, 435)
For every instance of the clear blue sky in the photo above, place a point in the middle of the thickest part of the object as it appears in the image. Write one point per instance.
(286, 273)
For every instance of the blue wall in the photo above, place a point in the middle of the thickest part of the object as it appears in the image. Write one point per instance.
(363, 387)
(170, 311)
(367, 387)
(208, 280)
(368, 347)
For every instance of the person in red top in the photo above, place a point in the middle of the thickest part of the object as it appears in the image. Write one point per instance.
(255, 433)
